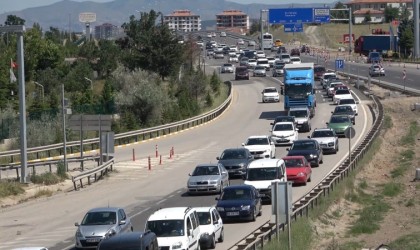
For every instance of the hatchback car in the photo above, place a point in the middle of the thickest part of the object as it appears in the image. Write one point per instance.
(341, 94)
(211, 227)
(295, 60)
(259, 71)
(298, 169)
(235, 160)
(339, 123)
(350, 101)
(345, 110)
(239, 202)
(308, 148)
(227, 68)
(278, 70)
(208, 178)
(376, 70)
(241, 72)
(284, 133)
(260, 146)
(270, 94)
(101, 223)
(326, 138)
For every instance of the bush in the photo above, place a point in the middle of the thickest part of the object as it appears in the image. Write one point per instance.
(61, 170)
(8, 188)
(46, 179)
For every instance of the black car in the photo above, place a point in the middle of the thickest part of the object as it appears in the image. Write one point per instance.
(319, 71)
(239, 202)
(283, 118)
(345, 110)
(235, 160)
(309, 148)
(241, 72)
(132, 240)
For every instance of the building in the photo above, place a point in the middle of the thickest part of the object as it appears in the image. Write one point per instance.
(183, 20)
(233, 21)
(376, 9)
(106, 31)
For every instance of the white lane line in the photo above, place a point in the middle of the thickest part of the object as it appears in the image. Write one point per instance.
(140, 212)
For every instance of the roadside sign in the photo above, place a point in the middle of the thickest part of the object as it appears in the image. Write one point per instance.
(350, 132)
(291, 15)
(293, 27)
(87, 17)
(346, 38)
(404, 75)
(90, 122)
(339, 64)
(321, 15)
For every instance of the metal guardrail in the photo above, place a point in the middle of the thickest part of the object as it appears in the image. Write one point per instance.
(97, 174)
(122, 138)
(266, 232)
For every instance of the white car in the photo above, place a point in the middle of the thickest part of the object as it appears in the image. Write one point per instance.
(240, 41)
(222, 34)
(271, 61)
(270, 94)
(252, 63)
(260, 54)
(326, 138)
(376, 70)
(233, 58)
(259, 71)
(331, 86)
(227, 68)
(295, 60)
(211, 227)
(349, 101)
(341, 94)
(260, 146)
(284, 133)
(326, 76)
(263, 62)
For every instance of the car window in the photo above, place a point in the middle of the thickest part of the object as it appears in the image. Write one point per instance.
(283, 127)
(99, 218)
(298, 113)
(322, 133)
(339, 119)
(122, 214)
(304, 145)
(260, 174)
(257, 141)
(294, 163)
(270, 90)
(347, 101)
(236, 194)
(204, 218)
(342, 92)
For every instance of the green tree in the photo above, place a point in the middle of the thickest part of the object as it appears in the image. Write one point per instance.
(391, 13)
(367, 18)
(108, 57)
(340, 14)
(255, 27)
(14, 20)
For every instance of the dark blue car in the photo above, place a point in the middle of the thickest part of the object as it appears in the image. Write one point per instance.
(239, 202)
(309, 148)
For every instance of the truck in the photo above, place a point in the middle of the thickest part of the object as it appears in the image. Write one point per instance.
(299, 86)
(379, 41)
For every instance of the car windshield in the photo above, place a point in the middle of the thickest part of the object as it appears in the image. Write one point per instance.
(283, 127)
(99, 218)
(293, 163)
(295, 59)
(259, 67)
(322, 133)
(227, 65)
(257, 141)
(342, 92)
(252, 60)
(319, 69)
(343, 109)
(284, 119)
(233, 154)
(298, 113)
(270, 90)
(261, 174)
(236, 194)
(347, 101)
(204, 218)
(285, 56)
(279, 66)
(240, 69)
(329, 76)
(340, 119)
(303, 145)
(262, 62)
(206, 170)
(166, 228)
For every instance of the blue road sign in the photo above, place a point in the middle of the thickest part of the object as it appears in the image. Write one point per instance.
(293, 27)
(339, 64)
(291, 15)
(321, 15)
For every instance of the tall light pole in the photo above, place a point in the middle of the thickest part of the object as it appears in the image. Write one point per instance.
(42, 87)
(91, 84)
(19, 30)
(262, 27)
(416, 28)
(350, 32)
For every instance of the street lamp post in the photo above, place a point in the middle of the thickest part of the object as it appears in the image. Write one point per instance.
(262, 27)
(91, 84)
(19, 30)
(42, 87)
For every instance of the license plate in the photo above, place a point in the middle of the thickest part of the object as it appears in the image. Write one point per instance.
(232, 213)
(93, 240)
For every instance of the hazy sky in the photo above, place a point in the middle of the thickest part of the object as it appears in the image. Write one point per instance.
(14, 5)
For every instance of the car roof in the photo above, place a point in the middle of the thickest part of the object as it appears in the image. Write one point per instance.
(267, 163)
(207, 165)
(170, 213)
(323, 129)
(104, 209)
(239, 186)
(257, 136)
(283, 123)
(204, 209)
(293, 157)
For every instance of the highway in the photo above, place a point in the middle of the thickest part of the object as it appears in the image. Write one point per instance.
(50, 221)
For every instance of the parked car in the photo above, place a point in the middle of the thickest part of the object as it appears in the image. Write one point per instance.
(309, 148)
(345, 110)
(260, 146)
(208, 178)
(129, 241)
(241, 72)
(235, 160)
(270, 94)
(259, 71)
(239, 202)
(227, 68)
(298, 169)
(349, 101)
(326, 138)
(339, 123)
(99, 224)
(284, 133)
(211, 227)
(376, 70)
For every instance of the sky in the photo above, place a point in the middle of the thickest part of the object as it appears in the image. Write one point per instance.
(16, 5)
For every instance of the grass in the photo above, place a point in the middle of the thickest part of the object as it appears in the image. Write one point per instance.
(387, 122)
(392, 189)
(407, 242)
(410, 203)
(351, 245)
(43, 192)
(404, 163)
(46, 179)
(10, 188)
(301, 233)
(410, 138)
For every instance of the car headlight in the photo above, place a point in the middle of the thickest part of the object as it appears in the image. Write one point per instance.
(301, 174)
(78, 233)
(110, 233)
(331, 144)
(312, 156)
(220, 209)
(247, 207)
(177, 245)
(191, 183)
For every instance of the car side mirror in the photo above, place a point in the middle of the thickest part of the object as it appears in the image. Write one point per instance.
(190, 231)
(189, 174)
(243, 144)
(217, 158)
(332, 112)
(76, 224)
(296, 129)
(122, 222)
(287, 149)
(327, 123)
(271, 123)
(309, 137)
(270, 131)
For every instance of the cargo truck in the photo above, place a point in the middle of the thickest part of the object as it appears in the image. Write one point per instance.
(299, 86)
(375, 42)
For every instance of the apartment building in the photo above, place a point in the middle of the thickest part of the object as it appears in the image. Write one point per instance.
(232, 21)
(183, 20)
(376, 9)
(107, 31)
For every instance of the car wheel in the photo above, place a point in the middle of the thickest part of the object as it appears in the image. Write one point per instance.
(253, 215)
(337, 149)
(222, 236)
(198, 247)
(260, 212)
(309, 179)
(213, 242)
(132, 229)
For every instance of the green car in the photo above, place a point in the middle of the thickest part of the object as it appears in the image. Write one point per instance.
(339, 123)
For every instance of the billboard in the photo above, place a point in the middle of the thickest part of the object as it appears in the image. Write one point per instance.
(299, 15)
(293, 27)
(321, 15)
(87, 17)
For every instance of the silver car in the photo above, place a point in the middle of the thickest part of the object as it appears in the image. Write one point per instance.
(101, 223)
(208, 178)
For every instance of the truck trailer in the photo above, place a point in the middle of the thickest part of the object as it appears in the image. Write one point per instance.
(380, 43)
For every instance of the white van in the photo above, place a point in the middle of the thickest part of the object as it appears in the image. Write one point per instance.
(175, 228)
(261, 173)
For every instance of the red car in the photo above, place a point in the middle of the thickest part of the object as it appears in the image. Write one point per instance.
(298, 169)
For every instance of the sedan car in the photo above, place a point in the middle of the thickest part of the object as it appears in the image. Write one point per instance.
(376, 70)
(278, 70)
(227, 68)
(298, 169)
(233, 58)
(218, 55)
(260, 146)
(339, 123)
(326, 138)
(309, 148)
(295, 60)
(239, 202)
(349, 101)
(270, 94)
(284, 133)
(283, 118)
(211, 227)
(259, 71)
(252, 63)
(345, 110)
(235, 160)
(101, 223)
(130, 240)
(208, 178)
(341, 94)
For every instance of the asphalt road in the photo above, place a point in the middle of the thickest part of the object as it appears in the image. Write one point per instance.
(50, 221)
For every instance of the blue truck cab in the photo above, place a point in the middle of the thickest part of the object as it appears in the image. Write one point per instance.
(299, 86)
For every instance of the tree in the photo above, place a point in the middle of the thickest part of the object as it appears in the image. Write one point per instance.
(108, 57)
(255, 27)
(14, 20)
(367, 18)
(340, 14)
(391, 14)
(405, 35)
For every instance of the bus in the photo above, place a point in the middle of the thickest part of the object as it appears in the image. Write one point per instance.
(267, 41)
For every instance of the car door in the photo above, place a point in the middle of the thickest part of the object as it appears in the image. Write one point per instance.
(224, 173)
(217, 223)
(257, 199)
(123, 217)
